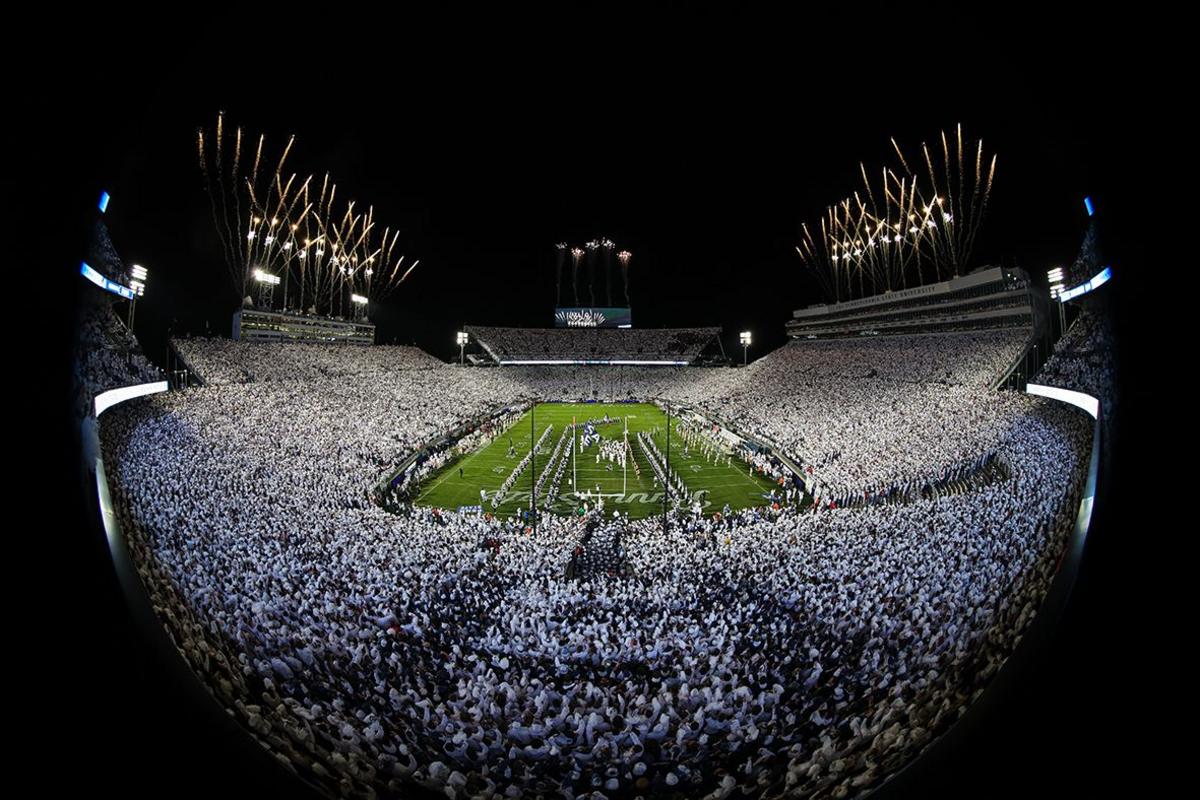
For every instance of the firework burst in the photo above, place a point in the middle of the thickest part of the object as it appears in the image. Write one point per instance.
(576, 257)
(954, 198)
(899, 226)
(624, 256)
(275, 222)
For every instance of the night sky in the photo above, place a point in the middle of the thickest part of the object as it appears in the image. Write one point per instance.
(700, 149)
(705, 177)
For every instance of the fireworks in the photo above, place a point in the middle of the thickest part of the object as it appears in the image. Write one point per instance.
(245, 245)
(576, 255)
(331, 250)
(624, 257)
(958, 193)
(600, 252)
(885, 236)
(592, 248)
(608, 246)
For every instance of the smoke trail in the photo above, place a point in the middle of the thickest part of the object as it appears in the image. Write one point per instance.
(558, 268)
(624, 257)
(608, 259)
(592, 247)
(576, 255)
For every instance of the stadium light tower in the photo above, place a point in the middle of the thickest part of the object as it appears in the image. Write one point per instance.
(1057, 287)
(462, 338)
(138, 274)
(360, 305)
(745, 340)
(266, 287)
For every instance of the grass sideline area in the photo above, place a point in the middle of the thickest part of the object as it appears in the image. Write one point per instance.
(486, 468)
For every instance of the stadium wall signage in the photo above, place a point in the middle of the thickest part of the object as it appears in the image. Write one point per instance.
(104, 283)
(1097, 280)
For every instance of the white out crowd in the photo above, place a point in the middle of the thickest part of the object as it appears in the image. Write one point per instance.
(769, 653)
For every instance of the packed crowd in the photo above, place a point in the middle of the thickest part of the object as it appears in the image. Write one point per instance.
(102, 255)
(599, 553)
(640, 344)
(832, 406)
(224, 361)
(1084, 359)
(826, 404)
(1089, 260)
(771, 652)
(107, 354)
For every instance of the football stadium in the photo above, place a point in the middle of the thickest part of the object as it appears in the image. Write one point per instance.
(399, 542)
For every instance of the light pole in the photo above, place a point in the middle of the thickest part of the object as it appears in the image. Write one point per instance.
(1057, 285)
(745, 340)
(462, 339)
(369, 272)
(138, 284)
(266, 287)
(360, 304)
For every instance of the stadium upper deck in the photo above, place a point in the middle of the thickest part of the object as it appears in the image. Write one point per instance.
(988, 298)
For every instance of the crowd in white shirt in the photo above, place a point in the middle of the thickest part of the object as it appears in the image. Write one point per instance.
(771, 652)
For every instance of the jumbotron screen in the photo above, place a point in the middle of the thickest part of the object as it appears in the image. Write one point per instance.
(592, 318)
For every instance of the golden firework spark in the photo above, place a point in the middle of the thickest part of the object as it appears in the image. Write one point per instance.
(886, 234)
(276, 221)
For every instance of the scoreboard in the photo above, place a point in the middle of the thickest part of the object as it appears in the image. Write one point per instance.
(592, 318)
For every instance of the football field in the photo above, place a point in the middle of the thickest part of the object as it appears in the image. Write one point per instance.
(629, 490)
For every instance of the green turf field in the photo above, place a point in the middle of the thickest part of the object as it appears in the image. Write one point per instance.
(488, 467)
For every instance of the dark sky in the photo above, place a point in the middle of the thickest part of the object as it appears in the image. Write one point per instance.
(703, 170)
